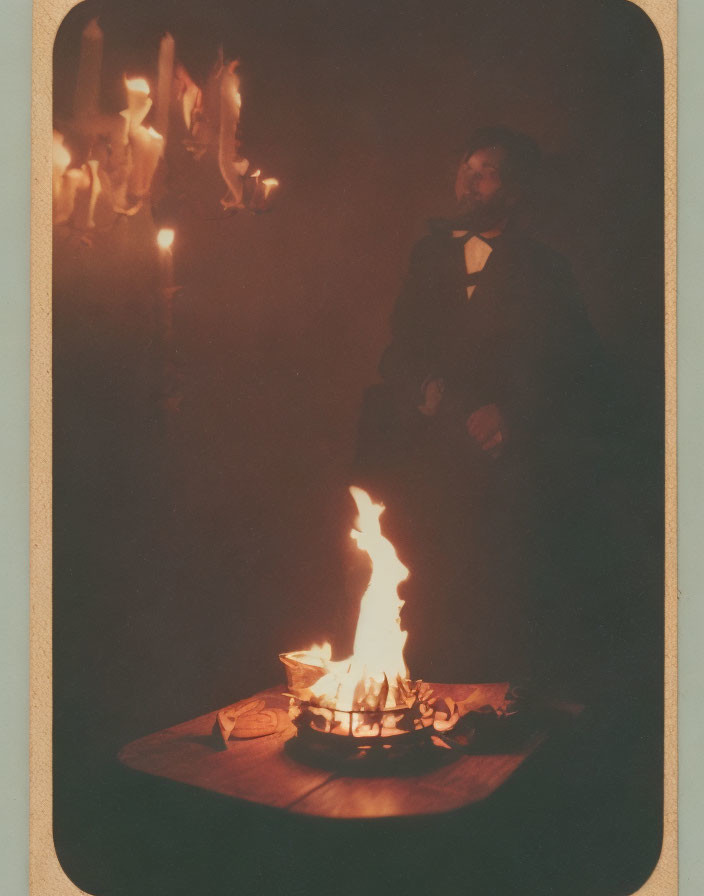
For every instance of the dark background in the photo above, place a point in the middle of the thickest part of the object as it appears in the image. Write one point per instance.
(189, 551)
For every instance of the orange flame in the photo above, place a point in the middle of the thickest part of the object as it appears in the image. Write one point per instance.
(379, 640)
(369, 677)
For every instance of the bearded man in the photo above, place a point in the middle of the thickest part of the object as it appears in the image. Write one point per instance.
(485, 430)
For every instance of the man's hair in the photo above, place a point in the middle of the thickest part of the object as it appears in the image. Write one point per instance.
(522, 152)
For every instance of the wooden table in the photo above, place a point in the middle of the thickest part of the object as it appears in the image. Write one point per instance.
(263, 771)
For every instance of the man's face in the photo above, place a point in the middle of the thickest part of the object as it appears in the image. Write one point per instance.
(483, 199)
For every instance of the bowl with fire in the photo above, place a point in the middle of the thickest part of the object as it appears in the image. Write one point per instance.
(366, 702)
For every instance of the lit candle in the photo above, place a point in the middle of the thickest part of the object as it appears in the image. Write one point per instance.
(232, 167)
(121, 163)
(264, 194)
(270, 184)
(251, 186)
(95, 191)
(188, 95)
(74, 180)
(164, 84)
(138, 102)
(88, 189)
(165, 241)
(65, 201)
(147, 148)
(86, 99)
(61, 159)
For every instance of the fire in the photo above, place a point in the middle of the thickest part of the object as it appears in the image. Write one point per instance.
(379, 640)
(138, 85)
(372, 677)
(270, 183)
(189, 95)
(165, 238)
(61, 157)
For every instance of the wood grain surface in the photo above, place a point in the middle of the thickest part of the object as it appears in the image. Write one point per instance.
(263, 771)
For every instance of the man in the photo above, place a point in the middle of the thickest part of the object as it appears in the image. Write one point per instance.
(485, 430)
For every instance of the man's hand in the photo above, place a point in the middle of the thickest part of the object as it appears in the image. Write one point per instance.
(488, 429)
(431, 390)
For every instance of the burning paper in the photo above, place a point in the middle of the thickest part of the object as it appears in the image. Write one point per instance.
(188, 95)
(368, 698)
(232, 166)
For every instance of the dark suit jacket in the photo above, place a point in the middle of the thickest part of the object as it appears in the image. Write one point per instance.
(523, 342)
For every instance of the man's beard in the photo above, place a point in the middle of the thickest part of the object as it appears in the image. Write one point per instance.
(481, 216)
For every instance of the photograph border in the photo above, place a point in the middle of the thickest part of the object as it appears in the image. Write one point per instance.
(46, 875)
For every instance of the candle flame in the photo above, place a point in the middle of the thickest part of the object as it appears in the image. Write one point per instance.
(138, 85)
(256, 173)
(165, 237)
(93, 31)
(238, 99)
(61, 157)
(270, 183)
